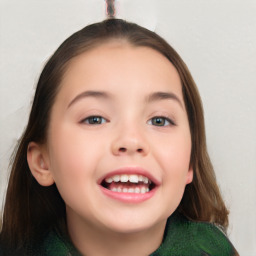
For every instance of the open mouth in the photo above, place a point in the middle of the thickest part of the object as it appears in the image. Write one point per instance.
(128, 183)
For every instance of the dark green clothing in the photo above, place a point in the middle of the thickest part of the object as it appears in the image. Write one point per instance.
(182, 238)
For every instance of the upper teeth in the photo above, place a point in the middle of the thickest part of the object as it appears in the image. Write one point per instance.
(133, 178)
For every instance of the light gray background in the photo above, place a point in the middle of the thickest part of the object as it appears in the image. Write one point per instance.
(217, 40)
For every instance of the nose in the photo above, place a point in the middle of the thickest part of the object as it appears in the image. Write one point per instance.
(130, 143)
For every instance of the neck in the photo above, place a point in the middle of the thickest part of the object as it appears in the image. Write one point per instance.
(94, 241)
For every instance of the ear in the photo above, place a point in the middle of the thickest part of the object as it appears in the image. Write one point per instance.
(38, 164)
(189, 177)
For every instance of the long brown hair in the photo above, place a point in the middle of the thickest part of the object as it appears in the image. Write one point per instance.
(31, 210)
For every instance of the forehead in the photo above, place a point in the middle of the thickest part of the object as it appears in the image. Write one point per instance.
(120, 63)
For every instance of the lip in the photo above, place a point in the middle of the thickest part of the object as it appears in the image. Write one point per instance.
(129, 197)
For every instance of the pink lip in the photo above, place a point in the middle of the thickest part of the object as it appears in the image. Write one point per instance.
(130, 197)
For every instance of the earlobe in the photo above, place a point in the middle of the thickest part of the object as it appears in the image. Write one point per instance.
(38, 164)
(189, 175)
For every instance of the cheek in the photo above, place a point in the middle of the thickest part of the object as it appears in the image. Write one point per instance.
(174, 159)
(174, 154)
(69, 154)
(71, 145)
(70, 166)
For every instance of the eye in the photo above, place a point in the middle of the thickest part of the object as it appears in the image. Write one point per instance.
(160, 121)
(94, 120)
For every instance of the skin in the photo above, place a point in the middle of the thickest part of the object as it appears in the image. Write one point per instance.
(78, 154)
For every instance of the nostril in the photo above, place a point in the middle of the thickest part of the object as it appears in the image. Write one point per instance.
(128, 150)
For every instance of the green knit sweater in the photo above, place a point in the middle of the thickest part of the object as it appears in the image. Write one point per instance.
(181, 238)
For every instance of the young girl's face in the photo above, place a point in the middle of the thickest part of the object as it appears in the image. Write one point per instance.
(119, 141)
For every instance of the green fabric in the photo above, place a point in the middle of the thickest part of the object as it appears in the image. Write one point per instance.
(189, 238)
(182, 238)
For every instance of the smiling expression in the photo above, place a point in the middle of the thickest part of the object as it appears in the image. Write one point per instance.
(119, 141)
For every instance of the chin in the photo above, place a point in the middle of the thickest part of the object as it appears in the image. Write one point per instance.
(134, 223)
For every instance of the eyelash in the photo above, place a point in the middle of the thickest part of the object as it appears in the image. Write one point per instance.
(162, 118)
(89, 120)
(98, 120)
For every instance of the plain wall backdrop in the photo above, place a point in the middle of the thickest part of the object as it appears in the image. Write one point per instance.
(216, 39)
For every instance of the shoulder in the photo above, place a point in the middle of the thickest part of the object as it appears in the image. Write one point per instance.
(191, 238)
(209, 238)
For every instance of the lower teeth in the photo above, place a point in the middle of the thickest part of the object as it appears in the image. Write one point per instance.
(142, 190)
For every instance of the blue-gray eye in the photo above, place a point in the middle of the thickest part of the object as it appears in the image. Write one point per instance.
(161, 121)
(94, 120)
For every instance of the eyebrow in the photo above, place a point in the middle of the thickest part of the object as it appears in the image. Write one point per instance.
(95, 94)
(156, 96)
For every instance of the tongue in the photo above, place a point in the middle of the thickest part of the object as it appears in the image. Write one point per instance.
(127, 185)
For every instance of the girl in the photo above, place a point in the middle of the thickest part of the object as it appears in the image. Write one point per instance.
(113, 160)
